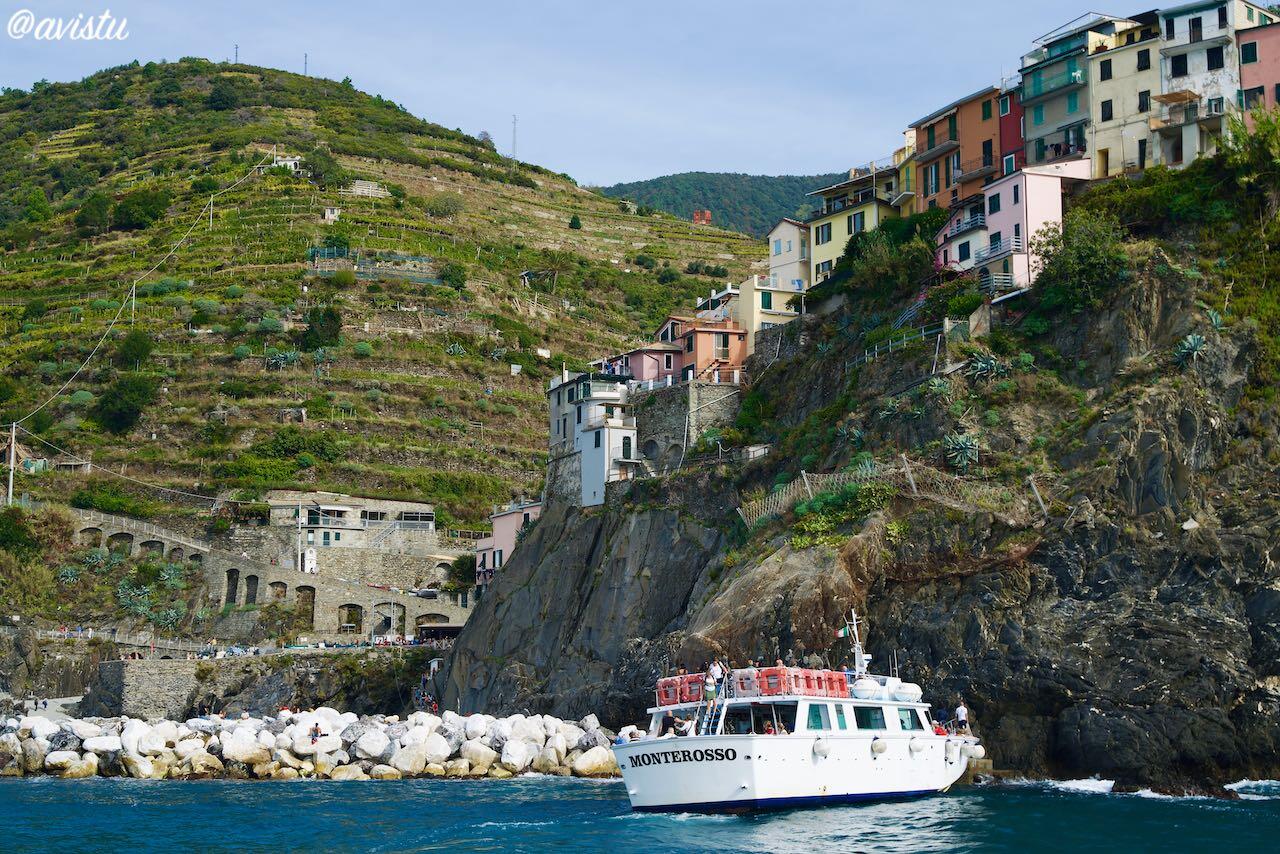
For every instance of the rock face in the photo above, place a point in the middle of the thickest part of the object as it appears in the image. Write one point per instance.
(1111, 638)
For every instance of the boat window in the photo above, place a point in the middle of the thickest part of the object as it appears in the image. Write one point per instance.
(869, 717)
(819, 716)
(785, 715)
(737, 720)
(840, 716)
(910, 719)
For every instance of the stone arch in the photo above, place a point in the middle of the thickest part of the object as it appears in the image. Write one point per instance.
(279, 590)
(388, 618)
(251, 590)
(176, 554)
(650, 450)
(196, 558)
(351, 619)
(671, 458)
(305, 597)
(430, 620)
(232, 588)
(89, 537)
(121, 541)
(151, 547)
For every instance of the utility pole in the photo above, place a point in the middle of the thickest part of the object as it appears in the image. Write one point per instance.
(513, 136)
(304, 65)
(13, 460)
(133, 303)
(237, 54)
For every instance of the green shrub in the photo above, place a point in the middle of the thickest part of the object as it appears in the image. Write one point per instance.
(134, 349)
(111, 497)
(343, 278)
(122, 402)
(1083, 260)
(363, 349)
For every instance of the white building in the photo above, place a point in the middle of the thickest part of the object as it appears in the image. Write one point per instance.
(589, 418)
(789, 255)
(1199, 76)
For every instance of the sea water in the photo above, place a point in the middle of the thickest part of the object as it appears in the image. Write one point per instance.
(567, 815)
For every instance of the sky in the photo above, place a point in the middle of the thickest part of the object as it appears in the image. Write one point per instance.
(606, 91)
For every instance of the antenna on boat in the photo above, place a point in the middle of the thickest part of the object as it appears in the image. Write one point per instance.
(850, 630)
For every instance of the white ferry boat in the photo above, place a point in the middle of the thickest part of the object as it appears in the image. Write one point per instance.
(779, 737)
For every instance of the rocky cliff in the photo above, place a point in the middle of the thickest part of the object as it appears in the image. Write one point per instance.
(1131, 630)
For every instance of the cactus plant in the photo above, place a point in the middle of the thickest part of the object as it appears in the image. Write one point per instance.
(960, 451)
(1188, 350)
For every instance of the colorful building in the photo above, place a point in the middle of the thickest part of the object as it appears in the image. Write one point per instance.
(1124, 76)
(859, 203)
(1199, 76)
(991, 234)
(1259, 50)
(756, 304)
(495, 550)
(1013, 155)
(712, 348)
(956, 149)
(788, 243)
(1055, 87)
(589, 417)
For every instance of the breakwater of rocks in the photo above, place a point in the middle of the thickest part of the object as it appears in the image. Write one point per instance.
(319, 744)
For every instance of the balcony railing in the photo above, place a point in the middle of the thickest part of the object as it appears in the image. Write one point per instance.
(1000, 247)
(853, 201)
(1177, 115)
(1037, 87)
(979, 168)
(972, 222)
(998, 282)
(939, 148)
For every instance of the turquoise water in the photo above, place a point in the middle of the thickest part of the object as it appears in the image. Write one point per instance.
(542, 814)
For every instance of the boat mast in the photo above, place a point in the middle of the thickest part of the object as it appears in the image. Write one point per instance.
(860, 658)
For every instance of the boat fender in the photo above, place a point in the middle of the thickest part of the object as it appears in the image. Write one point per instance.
(978, 751)
(879, 745)
(966, 751)
(915, 745)
(822, 748)
(952, 750)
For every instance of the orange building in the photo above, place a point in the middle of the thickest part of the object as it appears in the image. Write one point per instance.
(710, 349)
(702, 217)
(957, 149)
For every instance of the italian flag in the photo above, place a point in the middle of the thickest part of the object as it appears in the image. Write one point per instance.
(842, 632)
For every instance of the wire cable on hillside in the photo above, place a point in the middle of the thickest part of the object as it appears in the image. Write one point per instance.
(132, 285)
(210, 498)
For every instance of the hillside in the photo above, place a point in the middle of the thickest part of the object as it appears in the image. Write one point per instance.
(1128, 627)
(466, 264)
(748, 203)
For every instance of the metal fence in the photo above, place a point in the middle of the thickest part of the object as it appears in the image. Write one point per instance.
(911, 478)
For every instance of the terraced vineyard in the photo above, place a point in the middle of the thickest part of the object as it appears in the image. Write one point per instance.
(410, 384)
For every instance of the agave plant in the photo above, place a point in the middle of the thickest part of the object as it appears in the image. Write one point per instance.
(824, 347)
(1215, 319)
(960, 451)
(1188, 350)
(985, 367)
(455, 349)
(938, 388)
(69, 574)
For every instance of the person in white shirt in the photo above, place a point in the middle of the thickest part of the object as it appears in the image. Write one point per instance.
(962, 717)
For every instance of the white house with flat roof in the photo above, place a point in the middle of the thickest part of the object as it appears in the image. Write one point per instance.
(592, 434)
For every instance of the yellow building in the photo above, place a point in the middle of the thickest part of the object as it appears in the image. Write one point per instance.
(879, 190)
(757, 304)
(1124, 78)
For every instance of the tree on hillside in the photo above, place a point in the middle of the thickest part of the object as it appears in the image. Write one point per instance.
(121, 404)
(37, 209)
(324, 328)
(134, 349)
(1080, 261)
(1254, 157)
(223, 95)
(139, 209)
(486, 140)
(324, 168)
(454, 275)
(575, 223)
(94, 216)
(462, 572)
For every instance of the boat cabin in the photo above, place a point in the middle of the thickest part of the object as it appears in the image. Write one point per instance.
(788, 700)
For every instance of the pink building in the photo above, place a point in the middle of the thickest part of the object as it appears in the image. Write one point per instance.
(990, 232)
(1259, 52)
(495, 550)
(655, 360)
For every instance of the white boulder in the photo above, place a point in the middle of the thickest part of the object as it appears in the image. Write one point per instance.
(438, 749)
(372, 744)
(480, 755)
(241, 745)
(517, 754)
(132, 732)
(596, 762)
(103, 744)
(411, 759)
(477, 726)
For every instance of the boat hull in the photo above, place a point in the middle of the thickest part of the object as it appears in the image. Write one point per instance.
(738, 773)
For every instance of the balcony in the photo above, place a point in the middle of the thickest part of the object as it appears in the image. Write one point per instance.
(856, 200)
(940, 147)
(1171, 119)
(1035, 88)
(1193, 40)
(599, 421)
(998, 249)
(997, 283)
(975, 169)
(967, 224)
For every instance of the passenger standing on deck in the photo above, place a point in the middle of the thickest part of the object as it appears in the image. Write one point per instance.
(962, 718)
